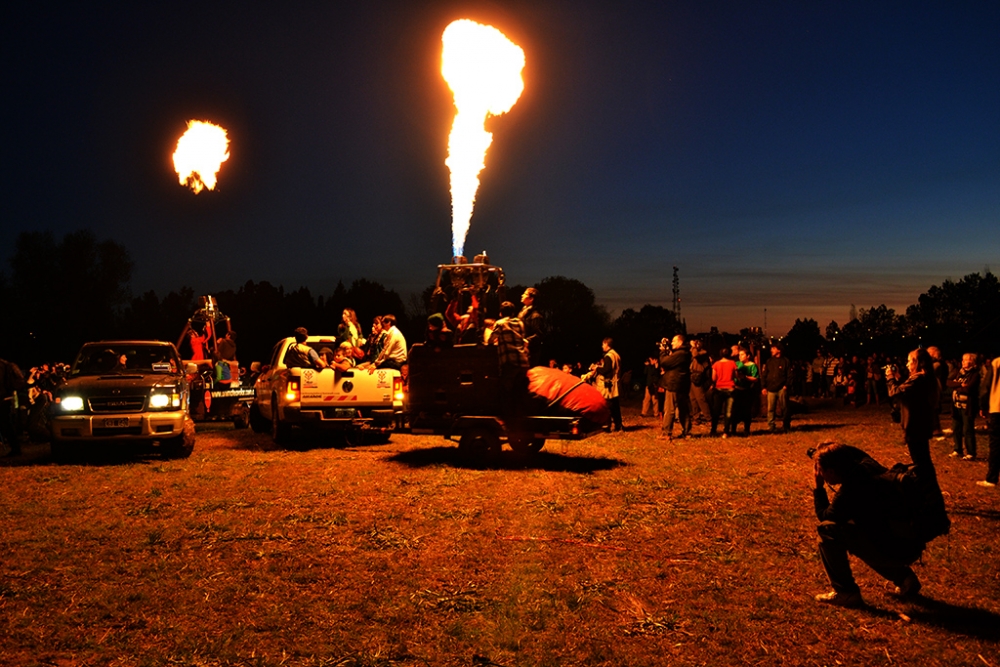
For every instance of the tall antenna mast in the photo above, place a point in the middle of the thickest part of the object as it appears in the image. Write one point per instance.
(677, 297)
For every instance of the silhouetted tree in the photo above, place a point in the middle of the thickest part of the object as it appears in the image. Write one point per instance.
(958, 316)
(636, 333)
(66, 292)
(574, 323)
(803, 340)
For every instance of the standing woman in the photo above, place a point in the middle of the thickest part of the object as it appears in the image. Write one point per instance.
(918, 395)
(747, 390)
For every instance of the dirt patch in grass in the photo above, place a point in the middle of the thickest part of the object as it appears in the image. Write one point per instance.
(618, 550)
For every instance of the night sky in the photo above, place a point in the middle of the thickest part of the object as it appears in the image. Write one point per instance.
(798, 157)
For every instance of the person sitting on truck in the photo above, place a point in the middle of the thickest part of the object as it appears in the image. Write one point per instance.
(300, 355)
(343, 358)
(393, 354)
(376, 340)
(438, 333)
(349, 329)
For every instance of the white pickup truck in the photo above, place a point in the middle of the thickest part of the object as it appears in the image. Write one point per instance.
(356, 401)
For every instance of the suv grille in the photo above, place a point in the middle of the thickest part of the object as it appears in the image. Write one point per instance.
(117, 404)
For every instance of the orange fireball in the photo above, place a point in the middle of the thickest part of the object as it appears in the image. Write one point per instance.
(200, 152)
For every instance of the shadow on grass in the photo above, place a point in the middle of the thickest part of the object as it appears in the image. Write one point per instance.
(807, 428)
(968, 621)
(550, 461)
(989, 515)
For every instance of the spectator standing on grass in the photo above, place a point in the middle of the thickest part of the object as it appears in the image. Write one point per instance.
(862, 520)
(992, 408)
(610, 370)
(917, 398)
(675, 363)
(650, 400)
(830, 365)
(964, 386)
(940, 373)
(818, 369)
(701, 383)
(747, 391)
(777, 372)
(724, 384)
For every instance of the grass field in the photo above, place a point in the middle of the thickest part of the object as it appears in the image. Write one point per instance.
(618, 550)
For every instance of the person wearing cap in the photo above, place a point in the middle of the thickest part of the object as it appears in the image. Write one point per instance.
(300, 355)
(777, 374)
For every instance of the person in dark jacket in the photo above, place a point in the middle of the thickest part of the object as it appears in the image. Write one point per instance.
(918, 396)
(675, 363)
(964, 386)
(777, 376)
(701, 384)
(863, 519)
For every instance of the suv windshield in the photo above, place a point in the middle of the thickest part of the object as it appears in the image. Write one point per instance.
(116, 358)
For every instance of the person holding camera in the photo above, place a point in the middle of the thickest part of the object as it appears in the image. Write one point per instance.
(918, 396)
(862, 519)
(964, 384)
(676, 382)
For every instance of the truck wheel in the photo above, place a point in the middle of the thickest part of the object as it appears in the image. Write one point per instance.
(525, 444)
(241, 416)
(479, 441)
(279, 431)
(257, 421)
(181, 446)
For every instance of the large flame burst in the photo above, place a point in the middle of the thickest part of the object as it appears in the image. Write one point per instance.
(201, 150)
(483, 70)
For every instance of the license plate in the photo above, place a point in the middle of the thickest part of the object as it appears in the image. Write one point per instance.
(116, 423)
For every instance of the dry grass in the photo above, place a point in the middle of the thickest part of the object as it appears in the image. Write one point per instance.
(619, 550)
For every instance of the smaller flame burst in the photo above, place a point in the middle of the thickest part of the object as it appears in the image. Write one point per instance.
(201, 150)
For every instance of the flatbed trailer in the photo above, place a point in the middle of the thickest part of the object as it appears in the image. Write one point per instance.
(454, 392)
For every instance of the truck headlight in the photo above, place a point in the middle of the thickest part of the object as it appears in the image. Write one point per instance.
(71, 403)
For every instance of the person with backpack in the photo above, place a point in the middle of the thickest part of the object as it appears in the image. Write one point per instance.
(873, 515)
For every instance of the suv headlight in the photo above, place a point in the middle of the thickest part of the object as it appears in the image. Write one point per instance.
(71, 403)
(161, 401)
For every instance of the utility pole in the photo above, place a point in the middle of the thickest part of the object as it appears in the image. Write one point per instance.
(765, 323)
(677, 297)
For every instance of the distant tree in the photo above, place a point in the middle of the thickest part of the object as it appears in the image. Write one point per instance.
(574, 323)
(958, 316)
(803, 340)
(636, 333)
(66, 292)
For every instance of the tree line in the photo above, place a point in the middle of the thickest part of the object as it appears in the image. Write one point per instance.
(60, 293)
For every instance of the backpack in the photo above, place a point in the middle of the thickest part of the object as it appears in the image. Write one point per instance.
(924, 516)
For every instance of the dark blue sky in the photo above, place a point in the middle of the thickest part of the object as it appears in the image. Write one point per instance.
(798, 157)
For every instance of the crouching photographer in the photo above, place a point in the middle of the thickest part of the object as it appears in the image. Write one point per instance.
(884, 517)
